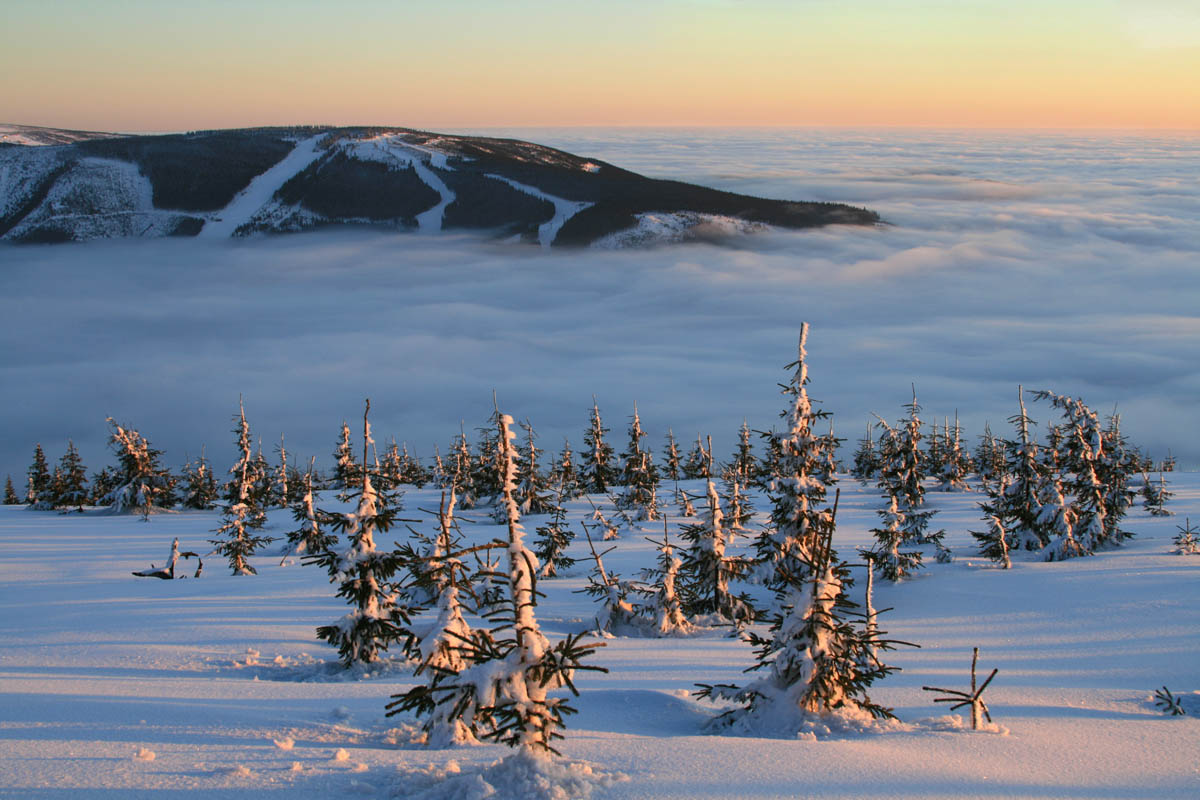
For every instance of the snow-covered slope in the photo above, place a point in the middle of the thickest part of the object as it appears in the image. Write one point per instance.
(273, 180)
(33, 136)
(115, 686)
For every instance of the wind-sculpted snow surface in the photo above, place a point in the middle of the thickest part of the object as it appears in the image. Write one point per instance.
(116, 686)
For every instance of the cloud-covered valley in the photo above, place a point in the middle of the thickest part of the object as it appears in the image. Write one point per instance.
(1058, 261)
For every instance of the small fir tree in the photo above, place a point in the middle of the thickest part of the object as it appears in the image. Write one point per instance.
(638, 475)
(10, 494)
(818, 655)
(709, 570)
(866, 459)
(533, 490)
(989, 456)
(312, 536)
(671, 465)
(72, 481)
(38, 481)
(1155, 495)
(956, 464)
(344, 468)
(664, 601)
(243, 515)
(744, 461)
(553, 539)
(200, 485)
(1187, 541)
(503, 694)
(366, 576)
(697, 463)
(140, 483)
(462, 470)
(597, 471)
(794, 487)
(564, 474)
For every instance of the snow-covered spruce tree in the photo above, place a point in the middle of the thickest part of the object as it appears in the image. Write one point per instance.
(243, 514)
(410, 469)
(1116, 472)
(708, 571)
(989, 456)
(486, 463)
(366, 576)
(503, 695)
(818, 655)
(461, 471)
(1187, 541)
(1057, 518)
(886, 557)
(827, 471)
(866, 459)
(1012, 508)
(935, 450)
(533, 488)
(597, 471)
(553, 539)
(71, 490)
(956, 463)
(664, 600)
(794, 488)
(901, 474)
(262, 479)
(734, 497)
(617, 614)
(280, 490)
(140, 484)
(344, 468)
(640, 478)
(1155, 495)
(10, 494)
(744, 461)
(443, 644)
(698, 461)
(199, 484)
(103, 482)
(37, 494)
(563, 473)
(310, 537)
(1083, 460)
(671, 464)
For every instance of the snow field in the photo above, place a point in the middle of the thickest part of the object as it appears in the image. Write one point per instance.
(211, 674)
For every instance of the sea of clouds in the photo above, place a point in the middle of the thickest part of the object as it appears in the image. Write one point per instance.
(1065, 261)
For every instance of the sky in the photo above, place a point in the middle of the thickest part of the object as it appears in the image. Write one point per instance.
(140, 66)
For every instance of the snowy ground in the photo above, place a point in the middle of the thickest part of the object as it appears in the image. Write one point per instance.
(118, 687)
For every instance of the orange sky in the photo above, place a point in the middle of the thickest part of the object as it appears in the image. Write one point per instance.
(139, 66)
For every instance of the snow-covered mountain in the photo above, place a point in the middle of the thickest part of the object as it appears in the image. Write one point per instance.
(273, 180)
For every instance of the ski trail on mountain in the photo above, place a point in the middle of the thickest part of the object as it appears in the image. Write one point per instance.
(260, 190)
(427, 221)
(563, 209)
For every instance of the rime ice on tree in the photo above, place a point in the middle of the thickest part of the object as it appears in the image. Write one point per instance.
(366, 576)
(819, 657)
(244, 514)
(794, 488)
(503, 694)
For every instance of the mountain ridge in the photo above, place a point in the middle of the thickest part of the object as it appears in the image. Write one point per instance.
(73, 185)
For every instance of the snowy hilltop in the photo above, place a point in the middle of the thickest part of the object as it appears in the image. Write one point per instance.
(61, 186)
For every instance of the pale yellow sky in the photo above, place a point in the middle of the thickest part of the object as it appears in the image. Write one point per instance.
(134, 65)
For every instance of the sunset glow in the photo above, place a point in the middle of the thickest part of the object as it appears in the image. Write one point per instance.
(141, 66)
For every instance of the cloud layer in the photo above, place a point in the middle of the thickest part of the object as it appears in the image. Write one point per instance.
(1052, 260)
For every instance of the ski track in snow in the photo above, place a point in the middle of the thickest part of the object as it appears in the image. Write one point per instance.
(260, 190)
(427, 221)
(563, 209)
